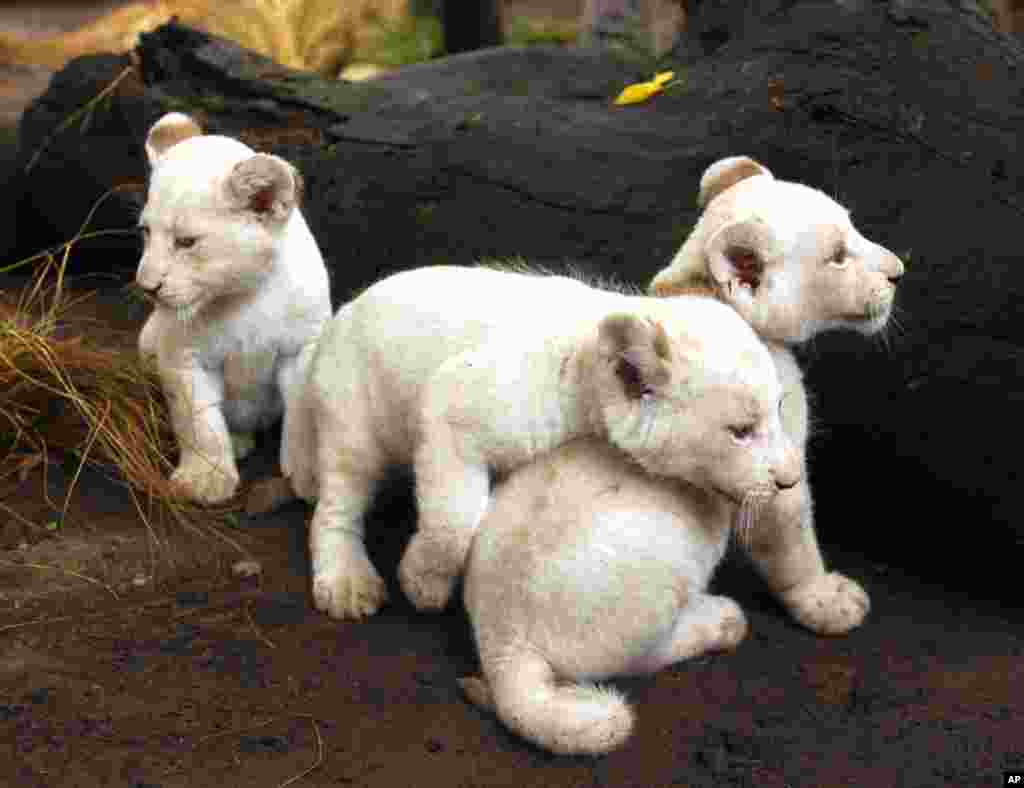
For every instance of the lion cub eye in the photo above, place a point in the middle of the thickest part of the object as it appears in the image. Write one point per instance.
(839, 258)
(742, 433)
(184, 241)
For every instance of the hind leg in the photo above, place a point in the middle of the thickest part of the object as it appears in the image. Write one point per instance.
(707, 623)
(345, 583)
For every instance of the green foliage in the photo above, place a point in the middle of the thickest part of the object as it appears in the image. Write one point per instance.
(421, 38)
(414, 41)
(527, 32)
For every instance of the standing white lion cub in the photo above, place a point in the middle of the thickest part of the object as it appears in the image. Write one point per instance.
(585, 567)
(240, 291)
(789, 260)
(467, 371)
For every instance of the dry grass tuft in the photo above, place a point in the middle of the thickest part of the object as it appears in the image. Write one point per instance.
(59, 392)
(318, 35)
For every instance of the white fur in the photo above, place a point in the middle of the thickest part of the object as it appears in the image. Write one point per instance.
(587, 568)
(468, 371)
(803, 288)
(240, 289)
(792, 231)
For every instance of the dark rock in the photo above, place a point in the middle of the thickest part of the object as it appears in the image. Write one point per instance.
(519, 152)
(280, 609)
(181, 642)
(8, 711)
(254, 745)
(78, 153)
(192, 598)
(434, 745)
(38, 696)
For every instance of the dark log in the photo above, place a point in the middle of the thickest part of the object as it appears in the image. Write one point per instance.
(911, 120)
(470, 25)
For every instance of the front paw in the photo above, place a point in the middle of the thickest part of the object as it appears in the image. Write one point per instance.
(204, 481)
(831, 604)
(426, 574)
(350, 587)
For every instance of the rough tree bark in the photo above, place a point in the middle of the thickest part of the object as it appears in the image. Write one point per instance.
(913, 120)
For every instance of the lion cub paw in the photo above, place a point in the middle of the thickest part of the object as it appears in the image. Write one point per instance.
(424, 574)
(731, 627)
(477, 691)
(350, 589)
(202, 481)
(829, 605)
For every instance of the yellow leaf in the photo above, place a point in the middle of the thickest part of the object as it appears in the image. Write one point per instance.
(641, 91)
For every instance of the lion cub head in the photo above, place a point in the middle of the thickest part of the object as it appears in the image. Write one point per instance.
(698, 405)
(215, 216)
(784, 255)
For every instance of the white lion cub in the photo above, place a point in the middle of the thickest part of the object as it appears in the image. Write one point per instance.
(587, 567)
(240, 291)
(468, 371)
(790, 261)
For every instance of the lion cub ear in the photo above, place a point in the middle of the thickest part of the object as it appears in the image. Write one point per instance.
(638, 350)
(726, 173)
(167, 132)
(736, 257)
(265, 185)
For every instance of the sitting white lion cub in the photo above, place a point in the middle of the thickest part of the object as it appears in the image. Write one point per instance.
(240, 290)
(466, 371)
(587, 567)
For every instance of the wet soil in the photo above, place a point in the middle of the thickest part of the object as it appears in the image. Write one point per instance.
(132, 655)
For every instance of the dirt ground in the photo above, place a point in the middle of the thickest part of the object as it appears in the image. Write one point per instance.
(152, 665)
(132, 655)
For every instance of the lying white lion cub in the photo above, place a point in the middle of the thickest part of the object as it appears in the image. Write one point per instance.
(586, 567)
(240, 289)
(473, 370)
(790, 261)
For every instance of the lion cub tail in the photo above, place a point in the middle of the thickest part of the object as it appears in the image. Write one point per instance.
(570, 719)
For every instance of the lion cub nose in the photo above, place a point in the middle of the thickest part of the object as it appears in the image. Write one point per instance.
(788, 472)
(893, 269)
